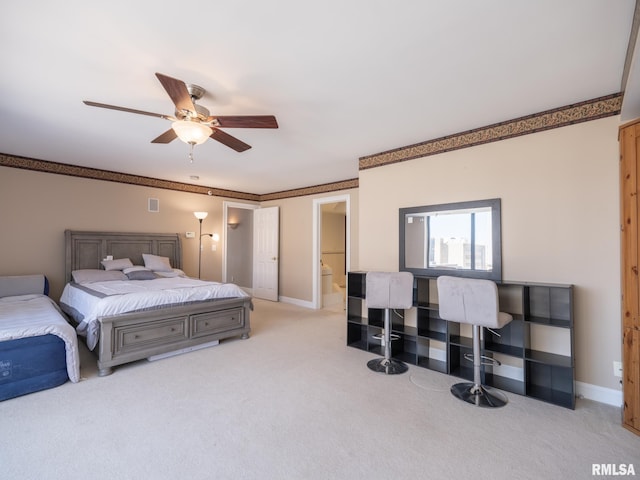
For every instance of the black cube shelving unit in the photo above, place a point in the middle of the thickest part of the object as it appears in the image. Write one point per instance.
(532, 367)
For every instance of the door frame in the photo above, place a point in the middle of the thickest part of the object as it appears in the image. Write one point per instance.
(225, 206)
(317, 231)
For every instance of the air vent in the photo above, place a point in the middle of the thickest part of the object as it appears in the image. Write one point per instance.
(154, 205)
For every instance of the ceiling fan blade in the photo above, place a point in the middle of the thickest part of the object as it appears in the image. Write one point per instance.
(124, 109)
(229, 140)
(246, 121)
(166, 137)
(178, 92)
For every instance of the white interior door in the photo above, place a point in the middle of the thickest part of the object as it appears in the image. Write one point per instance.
(266, 241)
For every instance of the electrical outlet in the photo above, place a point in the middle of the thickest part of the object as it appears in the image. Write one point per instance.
(190, 234)
(617, 369)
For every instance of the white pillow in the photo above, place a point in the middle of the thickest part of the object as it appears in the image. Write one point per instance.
(176, 272)
(135, 268)
(156, 263)
(94, 275)
(118, 264)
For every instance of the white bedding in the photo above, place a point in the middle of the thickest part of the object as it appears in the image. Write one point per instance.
(34, 315)
(122, 296)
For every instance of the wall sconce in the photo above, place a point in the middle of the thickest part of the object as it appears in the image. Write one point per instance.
(201, 216)
(233, 225)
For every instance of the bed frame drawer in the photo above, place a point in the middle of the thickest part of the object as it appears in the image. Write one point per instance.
(208, 323)
(138, 337)
(128, 337)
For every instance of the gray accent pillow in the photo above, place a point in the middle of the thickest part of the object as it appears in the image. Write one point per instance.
(139, 273)
(118, 264)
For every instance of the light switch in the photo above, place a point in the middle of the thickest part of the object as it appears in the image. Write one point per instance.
(214, 247)
(190, 234)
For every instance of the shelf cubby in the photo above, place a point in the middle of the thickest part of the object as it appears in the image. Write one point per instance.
(431, 354)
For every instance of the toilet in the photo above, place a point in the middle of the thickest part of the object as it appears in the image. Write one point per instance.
(327, 279)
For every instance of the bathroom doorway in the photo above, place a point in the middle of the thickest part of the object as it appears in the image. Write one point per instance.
(331, 252)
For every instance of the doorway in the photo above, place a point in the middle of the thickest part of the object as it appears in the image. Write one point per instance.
(331, 251)
(237, 264)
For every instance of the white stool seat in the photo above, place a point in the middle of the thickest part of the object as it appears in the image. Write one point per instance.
(470, 300)
(473, 301)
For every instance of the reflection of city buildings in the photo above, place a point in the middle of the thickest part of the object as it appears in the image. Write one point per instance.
(456, 253)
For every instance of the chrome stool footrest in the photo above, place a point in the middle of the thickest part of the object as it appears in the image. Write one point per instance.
(380, 336)
(484, 360)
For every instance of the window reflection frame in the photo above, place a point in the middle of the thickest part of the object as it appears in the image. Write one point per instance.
(493, 204)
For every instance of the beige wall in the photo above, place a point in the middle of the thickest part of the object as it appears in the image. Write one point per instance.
(36, 208)
(560, 210)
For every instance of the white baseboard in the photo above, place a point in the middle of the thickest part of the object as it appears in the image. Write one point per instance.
(596, 393)
(296, 301)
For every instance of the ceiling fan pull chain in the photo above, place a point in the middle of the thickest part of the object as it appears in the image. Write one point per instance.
(191, 154)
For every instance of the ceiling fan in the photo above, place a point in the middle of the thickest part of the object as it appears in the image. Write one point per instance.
(192, 123)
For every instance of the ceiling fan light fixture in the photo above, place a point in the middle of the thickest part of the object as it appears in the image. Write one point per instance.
(190, 132)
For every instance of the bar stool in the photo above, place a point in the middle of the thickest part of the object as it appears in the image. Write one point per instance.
(473, 301)
(388, 290)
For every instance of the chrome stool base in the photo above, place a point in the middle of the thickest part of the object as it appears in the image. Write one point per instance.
(389, 366)
(479, 395)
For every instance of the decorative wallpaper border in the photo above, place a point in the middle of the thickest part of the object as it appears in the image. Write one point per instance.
(300, 192)
(560, 117)
(97, 174)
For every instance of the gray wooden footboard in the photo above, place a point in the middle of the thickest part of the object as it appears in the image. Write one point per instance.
(133, 336)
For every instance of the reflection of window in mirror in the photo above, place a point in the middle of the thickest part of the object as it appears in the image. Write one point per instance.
(460, 240)
(452, 239)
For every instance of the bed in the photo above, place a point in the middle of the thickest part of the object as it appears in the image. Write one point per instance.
(150, 308)
(38, 347)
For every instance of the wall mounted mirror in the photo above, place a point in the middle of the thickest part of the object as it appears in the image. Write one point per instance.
(460, 239)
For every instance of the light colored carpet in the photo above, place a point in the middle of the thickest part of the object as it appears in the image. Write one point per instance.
(294, 402)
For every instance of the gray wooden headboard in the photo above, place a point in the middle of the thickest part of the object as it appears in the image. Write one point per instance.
(87, 249)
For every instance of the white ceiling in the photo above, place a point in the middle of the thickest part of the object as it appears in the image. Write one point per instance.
(345, 78)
